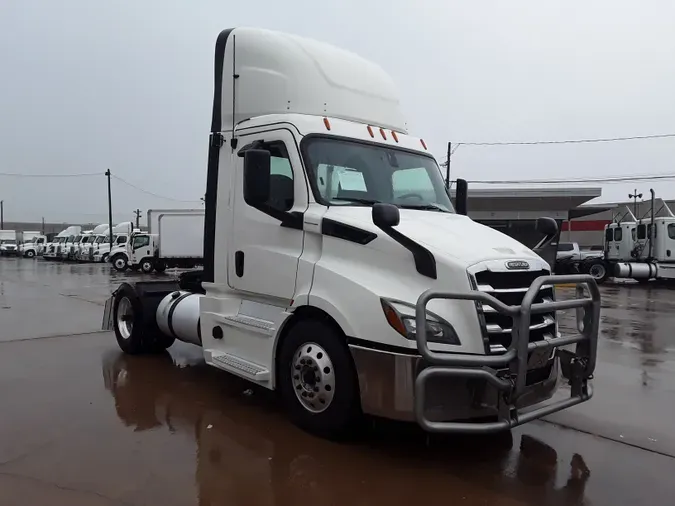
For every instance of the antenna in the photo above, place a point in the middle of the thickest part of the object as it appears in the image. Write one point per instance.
(235, 76)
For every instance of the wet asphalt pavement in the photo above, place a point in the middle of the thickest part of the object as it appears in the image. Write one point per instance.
(82, 424)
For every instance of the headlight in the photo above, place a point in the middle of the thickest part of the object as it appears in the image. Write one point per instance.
(401, 317)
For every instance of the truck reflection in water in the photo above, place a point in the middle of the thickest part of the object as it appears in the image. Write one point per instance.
(248, 453)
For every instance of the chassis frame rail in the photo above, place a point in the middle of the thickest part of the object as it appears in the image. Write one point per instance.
(577, 366)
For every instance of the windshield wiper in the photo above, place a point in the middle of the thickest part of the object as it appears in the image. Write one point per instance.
(369, 202)
(424, 207)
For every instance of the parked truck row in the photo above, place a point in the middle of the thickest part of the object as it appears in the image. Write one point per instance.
(172, 238)
(638, 248)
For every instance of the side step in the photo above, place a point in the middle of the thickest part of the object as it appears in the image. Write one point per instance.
(244, 367)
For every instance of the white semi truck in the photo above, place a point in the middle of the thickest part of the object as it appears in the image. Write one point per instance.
(337, 271)
(641, 249)
(121, 233)
(175, 238)
(84, 250)
(33, 244)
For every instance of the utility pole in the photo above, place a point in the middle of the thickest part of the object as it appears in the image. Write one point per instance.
(447, 167)
(2, 214)
(635, 195)
(137, 212)
(110, 223)
(43, 225)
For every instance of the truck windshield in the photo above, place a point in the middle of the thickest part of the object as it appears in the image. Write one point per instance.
(101, 238)
(346, 172)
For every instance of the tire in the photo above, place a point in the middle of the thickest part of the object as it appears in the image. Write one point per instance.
(323, 346)
(598, 270)
(147, 265)
(134, 334)
(160, 266)
(30, 253)
(119, 262)
(104, 258)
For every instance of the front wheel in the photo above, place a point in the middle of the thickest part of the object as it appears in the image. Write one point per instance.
(134, 335)
(147, 265)
(317, 379)
(598, 270)
(30, 253)
(119, 262)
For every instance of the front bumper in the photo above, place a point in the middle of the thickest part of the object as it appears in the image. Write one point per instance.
(449, 392)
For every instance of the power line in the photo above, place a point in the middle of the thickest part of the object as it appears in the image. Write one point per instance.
(85, 174)
(569, 141)
(149, 192)
(604, 180)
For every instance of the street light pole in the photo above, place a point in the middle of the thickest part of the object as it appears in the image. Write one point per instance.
(2, 214)
(635, 195)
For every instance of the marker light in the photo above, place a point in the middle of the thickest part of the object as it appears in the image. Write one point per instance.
(327, 123)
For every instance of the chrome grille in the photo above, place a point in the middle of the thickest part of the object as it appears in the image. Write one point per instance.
(510, 288)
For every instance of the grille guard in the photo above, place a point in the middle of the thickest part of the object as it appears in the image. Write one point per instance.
(577, 366)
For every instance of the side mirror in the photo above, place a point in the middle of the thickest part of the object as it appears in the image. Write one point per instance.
(257, 167)
(386, 215)
(547, 226)
(462, 197)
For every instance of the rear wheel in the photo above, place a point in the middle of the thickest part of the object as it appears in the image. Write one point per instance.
(147, 265)
(598, 270)
(160, 266)
(318, 381)
(134, 333)
(119, 262)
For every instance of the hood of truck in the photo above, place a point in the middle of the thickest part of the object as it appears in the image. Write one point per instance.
(451, 236)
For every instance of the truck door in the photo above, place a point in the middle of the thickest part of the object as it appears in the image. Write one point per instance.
(140, 249)
(263, 255)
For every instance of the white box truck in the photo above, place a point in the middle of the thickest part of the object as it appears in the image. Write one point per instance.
(338, 272)
(175, 238)
(9, 243)
(33, 244)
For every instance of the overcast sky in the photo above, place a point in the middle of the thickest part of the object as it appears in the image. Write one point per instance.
(127, 84)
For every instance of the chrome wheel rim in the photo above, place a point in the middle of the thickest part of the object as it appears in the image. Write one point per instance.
(597, 271)
(313, 377)
(125, 318)
(120, 263)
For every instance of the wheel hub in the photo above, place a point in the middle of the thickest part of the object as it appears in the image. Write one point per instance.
(125, 318)
(313, 377)
(597, 271)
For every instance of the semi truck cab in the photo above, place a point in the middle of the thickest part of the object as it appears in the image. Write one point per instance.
(337, 270)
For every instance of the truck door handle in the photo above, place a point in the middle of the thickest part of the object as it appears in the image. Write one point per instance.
(239, 263)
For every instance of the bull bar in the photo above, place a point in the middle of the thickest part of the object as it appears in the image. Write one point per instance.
(577, 367)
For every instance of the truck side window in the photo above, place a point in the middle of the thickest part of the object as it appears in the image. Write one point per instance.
(281, 177)
(642, 232)
(671, 230)
(121, 240)
(140, 241)
(618, 234)
(608, 235)
(632, 233)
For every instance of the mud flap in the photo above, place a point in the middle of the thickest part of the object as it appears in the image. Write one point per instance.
(107, 323)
